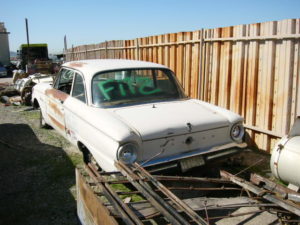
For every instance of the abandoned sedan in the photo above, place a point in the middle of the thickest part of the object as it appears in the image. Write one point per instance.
(135, 111)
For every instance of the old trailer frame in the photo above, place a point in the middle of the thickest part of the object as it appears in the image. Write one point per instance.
(99, 203)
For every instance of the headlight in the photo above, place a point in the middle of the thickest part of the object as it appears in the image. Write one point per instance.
(127, 153)
(237, 132)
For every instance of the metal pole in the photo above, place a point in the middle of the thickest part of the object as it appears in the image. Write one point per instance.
(65, 47)
(65, 43)
(27, 34)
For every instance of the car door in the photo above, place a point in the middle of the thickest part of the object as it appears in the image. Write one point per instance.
(57, 95)
(75, 109)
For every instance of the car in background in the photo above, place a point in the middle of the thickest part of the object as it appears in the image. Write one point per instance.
(3, 71)
(135, 111)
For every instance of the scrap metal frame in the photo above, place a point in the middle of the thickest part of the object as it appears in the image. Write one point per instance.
(92, 184)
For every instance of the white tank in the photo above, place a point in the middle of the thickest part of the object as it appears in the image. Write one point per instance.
(285, 159)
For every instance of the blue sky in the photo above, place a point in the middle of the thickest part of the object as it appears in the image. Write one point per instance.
(92, 21)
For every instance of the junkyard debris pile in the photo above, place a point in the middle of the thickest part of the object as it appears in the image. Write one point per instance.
(180, 200)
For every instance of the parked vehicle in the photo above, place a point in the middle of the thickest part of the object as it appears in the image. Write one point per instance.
(24, 86)
(3, 71)
(34, 58)
(135, 111)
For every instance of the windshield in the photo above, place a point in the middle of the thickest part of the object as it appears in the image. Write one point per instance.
(134, 86)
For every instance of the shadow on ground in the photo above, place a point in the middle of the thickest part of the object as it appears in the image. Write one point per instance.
(35, 180)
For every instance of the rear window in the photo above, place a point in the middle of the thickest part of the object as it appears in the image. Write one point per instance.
(134, 86)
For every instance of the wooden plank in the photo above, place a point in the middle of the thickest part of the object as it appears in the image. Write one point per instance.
(225, 69)
(90, 209)
(206, 68)
(133, 51)
(127, 51)
(150, 50)
(155, 50)
(201, 78)
(172, 64)
(296, 92)
(187, 64)
(207, 88)
(236, 90)
(145, 55)
(195, 65)
(142, 50)
(160, 40)
(216, 68)
(266, 122)
(263, 84)
(262, 131)
(179, 59)
(137, 49)
(245, 74)
(288, 72)
(166, 50)
(261, 104)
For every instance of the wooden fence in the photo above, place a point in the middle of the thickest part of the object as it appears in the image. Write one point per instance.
(251, 69)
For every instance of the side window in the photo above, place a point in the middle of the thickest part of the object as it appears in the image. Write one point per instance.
(64, 81)
(78, 88)
(56, 82)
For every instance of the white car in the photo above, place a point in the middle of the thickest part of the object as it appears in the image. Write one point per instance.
(135, 111)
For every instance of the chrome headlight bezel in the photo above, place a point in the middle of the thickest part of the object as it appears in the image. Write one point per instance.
(127, 153)
(237, 132)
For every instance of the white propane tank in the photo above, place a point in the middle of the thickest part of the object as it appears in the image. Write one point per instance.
(285, 159)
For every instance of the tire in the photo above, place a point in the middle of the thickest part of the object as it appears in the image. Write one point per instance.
(89, 158)
(43, 123)
(26, 96)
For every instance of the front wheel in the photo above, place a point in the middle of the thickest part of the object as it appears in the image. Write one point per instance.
(89, 158)
(26, 96)
(43, 123)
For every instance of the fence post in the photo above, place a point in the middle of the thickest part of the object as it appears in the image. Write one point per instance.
(124, 50)
(137, 50)
(200, 81)
(72, 54)
(86, 56)
(106, 51)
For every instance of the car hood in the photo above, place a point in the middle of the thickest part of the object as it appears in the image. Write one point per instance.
(159, 120)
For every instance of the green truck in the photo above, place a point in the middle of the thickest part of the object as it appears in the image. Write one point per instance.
(35, 58)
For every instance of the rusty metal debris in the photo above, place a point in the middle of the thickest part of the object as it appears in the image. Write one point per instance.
(162, 199)
(284, 192)
(264, 193)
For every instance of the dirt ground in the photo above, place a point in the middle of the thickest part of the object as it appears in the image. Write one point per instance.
(37, 179)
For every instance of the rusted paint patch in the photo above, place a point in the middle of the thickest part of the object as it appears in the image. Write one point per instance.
(57, 94)
(55, 108)
(76, 64)
(58, 124)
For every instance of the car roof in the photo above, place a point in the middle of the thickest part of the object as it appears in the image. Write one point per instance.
(92, 66)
